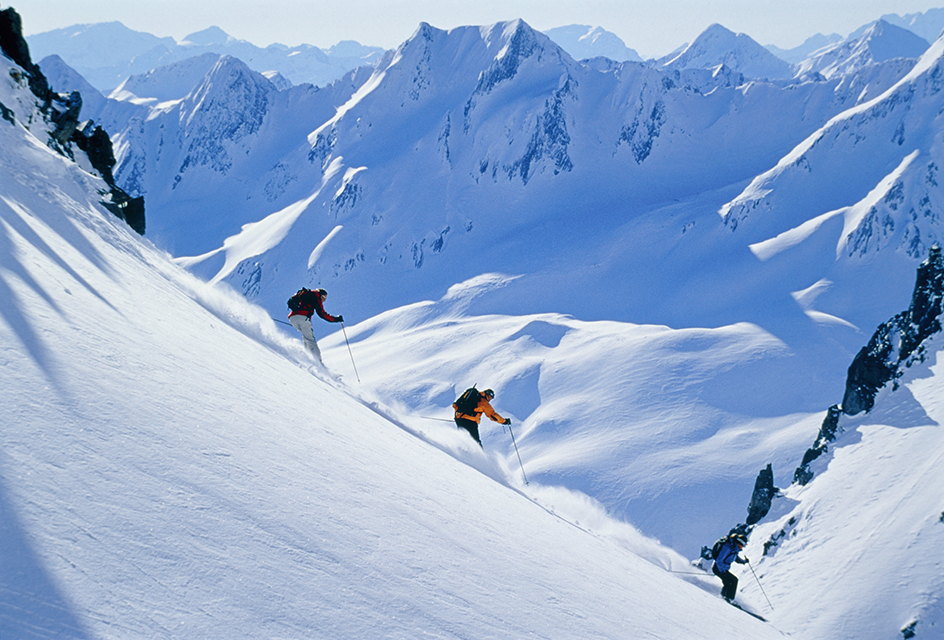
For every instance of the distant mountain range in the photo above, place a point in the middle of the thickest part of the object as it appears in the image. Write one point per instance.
(107, 53)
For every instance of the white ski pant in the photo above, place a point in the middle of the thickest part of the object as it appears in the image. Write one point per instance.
(303, 325)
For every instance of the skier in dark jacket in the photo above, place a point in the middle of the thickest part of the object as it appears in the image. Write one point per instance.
(471, 422)
(308, 303)
(722, 565)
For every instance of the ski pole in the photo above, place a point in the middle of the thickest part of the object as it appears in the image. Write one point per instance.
(760, 585)
(431, 418)
(519, 455)
(351, 352)
(282, 321)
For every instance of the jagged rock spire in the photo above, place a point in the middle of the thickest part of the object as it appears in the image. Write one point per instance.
(899, 341)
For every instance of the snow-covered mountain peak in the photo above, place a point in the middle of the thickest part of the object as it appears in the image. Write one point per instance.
(208, 37)
(231, 81)
(583, 42)
(473, 118)
(517, 42)
(886, 41)
(880, 42)
(718, 45)
(169, 82)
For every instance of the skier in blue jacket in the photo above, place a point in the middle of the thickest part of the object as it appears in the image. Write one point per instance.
(722, 565)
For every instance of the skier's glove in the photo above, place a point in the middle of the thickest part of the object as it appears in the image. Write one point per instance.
(507, 421)
(339, 318)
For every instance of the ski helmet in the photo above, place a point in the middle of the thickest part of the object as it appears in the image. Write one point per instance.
(488, 393)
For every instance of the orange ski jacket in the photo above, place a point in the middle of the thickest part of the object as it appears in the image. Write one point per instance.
(482, 407)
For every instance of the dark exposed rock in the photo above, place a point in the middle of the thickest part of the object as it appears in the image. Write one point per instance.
(129, 209)
(764, 492)
(827, 433)
(899, 341)
(896, 344)
(14, 47)
(97, 146)
(63, 110)
(774, 540)
(909, 630)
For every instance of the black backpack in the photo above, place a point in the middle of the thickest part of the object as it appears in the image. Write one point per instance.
(468, 401)
(716, 547)
(296, 302)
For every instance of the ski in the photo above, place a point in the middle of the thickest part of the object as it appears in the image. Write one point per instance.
(750, 613)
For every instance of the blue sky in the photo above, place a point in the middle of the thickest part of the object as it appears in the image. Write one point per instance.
(653, 28)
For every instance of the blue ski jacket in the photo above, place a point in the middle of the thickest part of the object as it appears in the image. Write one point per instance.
(728, 555)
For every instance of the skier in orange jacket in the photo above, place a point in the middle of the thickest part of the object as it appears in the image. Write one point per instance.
(470, 421)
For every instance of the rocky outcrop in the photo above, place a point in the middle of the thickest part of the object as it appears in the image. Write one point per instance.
(97, 146)
(764, 492)
(899, 342)
(14, 47)
(129, 209)
(63, 111)
(827, 433)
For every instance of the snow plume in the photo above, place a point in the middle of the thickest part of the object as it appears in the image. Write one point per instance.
(230, 307)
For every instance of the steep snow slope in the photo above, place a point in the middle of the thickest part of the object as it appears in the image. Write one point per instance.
(168, 82)
(172, 467)
(855, 553)
(388, 205)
